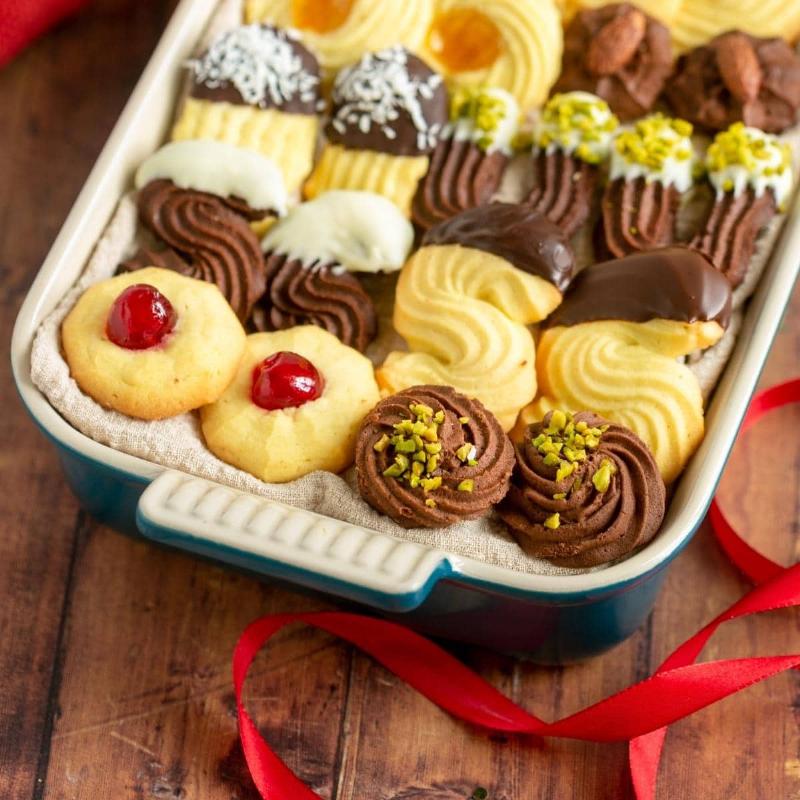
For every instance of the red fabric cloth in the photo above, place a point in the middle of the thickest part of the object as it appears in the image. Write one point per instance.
(640, 713)
(21, 21)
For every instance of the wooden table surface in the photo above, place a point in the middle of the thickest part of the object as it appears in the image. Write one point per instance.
(115, 655)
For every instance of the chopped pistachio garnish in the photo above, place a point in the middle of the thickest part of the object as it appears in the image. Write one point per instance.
(380, 445)
(487, 116)
(467, 485)
(430, 502)
(602, 476)
(553, 521)
(559, 495)
(463, 420)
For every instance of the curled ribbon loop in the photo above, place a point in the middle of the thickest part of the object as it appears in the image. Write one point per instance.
(640, 713)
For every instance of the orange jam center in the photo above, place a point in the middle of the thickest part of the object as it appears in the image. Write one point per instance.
(463, 39)
(320, 16)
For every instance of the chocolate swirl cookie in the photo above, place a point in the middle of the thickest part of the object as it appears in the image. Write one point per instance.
(584, 492)
(428, 457)
(206, 239)
(318, 294)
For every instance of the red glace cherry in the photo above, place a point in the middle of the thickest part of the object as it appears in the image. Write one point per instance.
(140, 318)
(285, 380)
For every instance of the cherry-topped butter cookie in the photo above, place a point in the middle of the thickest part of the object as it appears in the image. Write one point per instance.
(152, 344)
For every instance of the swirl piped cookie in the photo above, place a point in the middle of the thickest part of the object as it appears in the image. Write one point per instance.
(572, 140)
(340, 32)
(652, 165)
(428, 457)
(197, 198)
(152, 344)
(256, 87)
(585, 491)
(619, 53)
(614, 343)
(751, 174)
(512, 45)
(464, 300)
(468, 163)
(294, 405)
(311, 256)
(388, 112)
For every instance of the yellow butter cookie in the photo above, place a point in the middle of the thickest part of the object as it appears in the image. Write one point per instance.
(465, 298)
(295, 405)
(152, 343)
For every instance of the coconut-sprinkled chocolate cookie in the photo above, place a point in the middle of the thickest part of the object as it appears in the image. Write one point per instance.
(618, 53)
(613, 346)
(256, 87)
(652, 165)
(751, 174)
(572, 140)
(738, 78)
(428, 457)
(311, 256)
(388, 113)
(464, 301)
(585, 491)
(468, 163)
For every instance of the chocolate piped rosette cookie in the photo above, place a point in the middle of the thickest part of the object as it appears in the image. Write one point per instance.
(464, 301)
(585, 491)
(512, 45)
(619, 53)
(341, 32)
(468, 163)
(256, 87)
(312, 253)
(573, 138)
(197, 199)
(737, 77)
(429, 456)
(615, 342)
(294, 405)
(751, 174)
(388, 112)
(652, 166)
(152, 344)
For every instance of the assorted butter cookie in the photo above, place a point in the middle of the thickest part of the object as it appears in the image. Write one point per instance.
(619, 53)
(751, 174)
(738, 78)
(468, 163)
(429, 456)
(585, 491)
(312, 253)
(294, 406)
(464, 301)
(152, 344)
(256, 87)
(652, 167)
(388, 112)
(571, 143)
(509, 44)
(341, 32)
(613, 346)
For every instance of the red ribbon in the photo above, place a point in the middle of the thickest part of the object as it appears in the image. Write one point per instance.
(640, 713)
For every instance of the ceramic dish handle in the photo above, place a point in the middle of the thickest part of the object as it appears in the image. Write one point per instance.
(276, 540)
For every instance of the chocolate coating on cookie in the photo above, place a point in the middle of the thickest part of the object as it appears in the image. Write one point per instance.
(465, 462)
(391, 102)
(673, 283)
(318, 294)
(738, 77)
(612, 501)
(258, 65)
(618, 53)
(205, 239)
(514, 232)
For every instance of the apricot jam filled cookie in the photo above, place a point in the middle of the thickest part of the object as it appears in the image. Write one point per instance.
(153, 343)
(294, 406)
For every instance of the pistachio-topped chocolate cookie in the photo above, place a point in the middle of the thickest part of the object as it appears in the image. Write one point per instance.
(428, 457)
(585, 491)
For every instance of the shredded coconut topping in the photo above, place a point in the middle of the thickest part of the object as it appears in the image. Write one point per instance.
(376, 89)
(261, 63)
